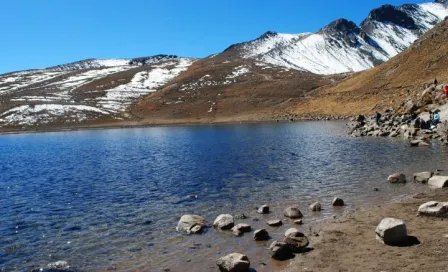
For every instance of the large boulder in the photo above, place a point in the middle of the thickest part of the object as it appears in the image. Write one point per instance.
(438, 181)
(263, 209)
(397, 178)
(239, 229)
(434, 208)
(261, 235)
(280, 251)
(391, 231)
(315, 207)
(234, 262)
(224, 222)
(191, 224)
(423, 177)
(293, 212)
(338, 202)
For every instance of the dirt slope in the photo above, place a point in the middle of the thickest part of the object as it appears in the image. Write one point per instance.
(226, 88)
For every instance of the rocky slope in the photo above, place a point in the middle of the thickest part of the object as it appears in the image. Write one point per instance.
(392, 84)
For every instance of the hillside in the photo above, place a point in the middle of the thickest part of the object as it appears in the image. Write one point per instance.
(387, 85)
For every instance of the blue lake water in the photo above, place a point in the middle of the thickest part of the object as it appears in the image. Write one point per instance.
(105, 198)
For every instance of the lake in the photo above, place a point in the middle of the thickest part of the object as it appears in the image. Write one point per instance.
(112, 198)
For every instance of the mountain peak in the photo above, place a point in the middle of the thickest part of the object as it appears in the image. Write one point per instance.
(268, 34)
(392, 14)
(340, 25)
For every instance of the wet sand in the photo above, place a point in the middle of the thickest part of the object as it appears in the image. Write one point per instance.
(345, 243)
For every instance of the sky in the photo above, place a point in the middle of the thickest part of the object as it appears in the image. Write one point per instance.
(43, 33)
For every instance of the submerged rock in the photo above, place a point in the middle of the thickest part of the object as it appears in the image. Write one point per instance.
(293, 212)
(234, 262)
(338, 202)
(263, 209)
(391, 231)
(261, 235)
(224, 222)
(239, 215)
(239, 229)
(274, 223)
(397, 178)
(315, 207)
(191, 224)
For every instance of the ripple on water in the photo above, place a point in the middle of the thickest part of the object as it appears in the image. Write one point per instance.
(113, 197)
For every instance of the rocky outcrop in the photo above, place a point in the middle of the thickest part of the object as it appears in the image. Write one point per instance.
(224, 222)
(293, 212)
(191, 224)
(438, 181)
(234, 262)
(423, 177)
(434, 208)
(391, 231)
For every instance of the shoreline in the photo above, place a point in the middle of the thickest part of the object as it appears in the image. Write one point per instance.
(136, 124)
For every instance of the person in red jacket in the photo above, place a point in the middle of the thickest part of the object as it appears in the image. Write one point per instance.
(445, 89)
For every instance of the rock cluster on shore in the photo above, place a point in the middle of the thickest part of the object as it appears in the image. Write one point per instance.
(410, 120)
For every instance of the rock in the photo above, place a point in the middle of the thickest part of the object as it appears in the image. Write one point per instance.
(280, 251)
(423, 177)
(291, 231)
(263, 209)
(293, 212)
(239, 215)
(315, 207)
(298, 222)
(391, 231)
(261, 235)
(59, 265)
(240, 229)
(338, 202)
(397, 178)
(191, 224)
(224, 222)
(434, 208)
(297, 242)
(275, 223)
(234, 262)
(438, 181)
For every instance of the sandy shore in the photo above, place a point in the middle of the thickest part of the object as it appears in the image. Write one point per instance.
(348, 243)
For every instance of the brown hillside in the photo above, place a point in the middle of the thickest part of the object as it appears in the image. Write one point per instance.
(386, 85)
(209, 91)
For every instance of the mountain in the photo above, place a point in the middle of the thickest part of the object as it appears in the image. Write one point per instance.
(84, 91)
(342, 46)
(277, 76)
(388, 85)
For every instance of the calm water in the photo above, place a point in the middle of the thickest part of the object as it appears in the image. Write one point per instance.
(113, 197)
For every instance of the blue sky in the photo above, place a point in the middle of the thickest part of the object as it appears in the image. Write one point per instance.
(42, 33)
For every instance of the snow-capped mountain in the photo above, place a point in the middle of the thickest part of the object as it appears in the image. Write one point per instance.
(83, 91)
(342, 46)
(104, 63)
